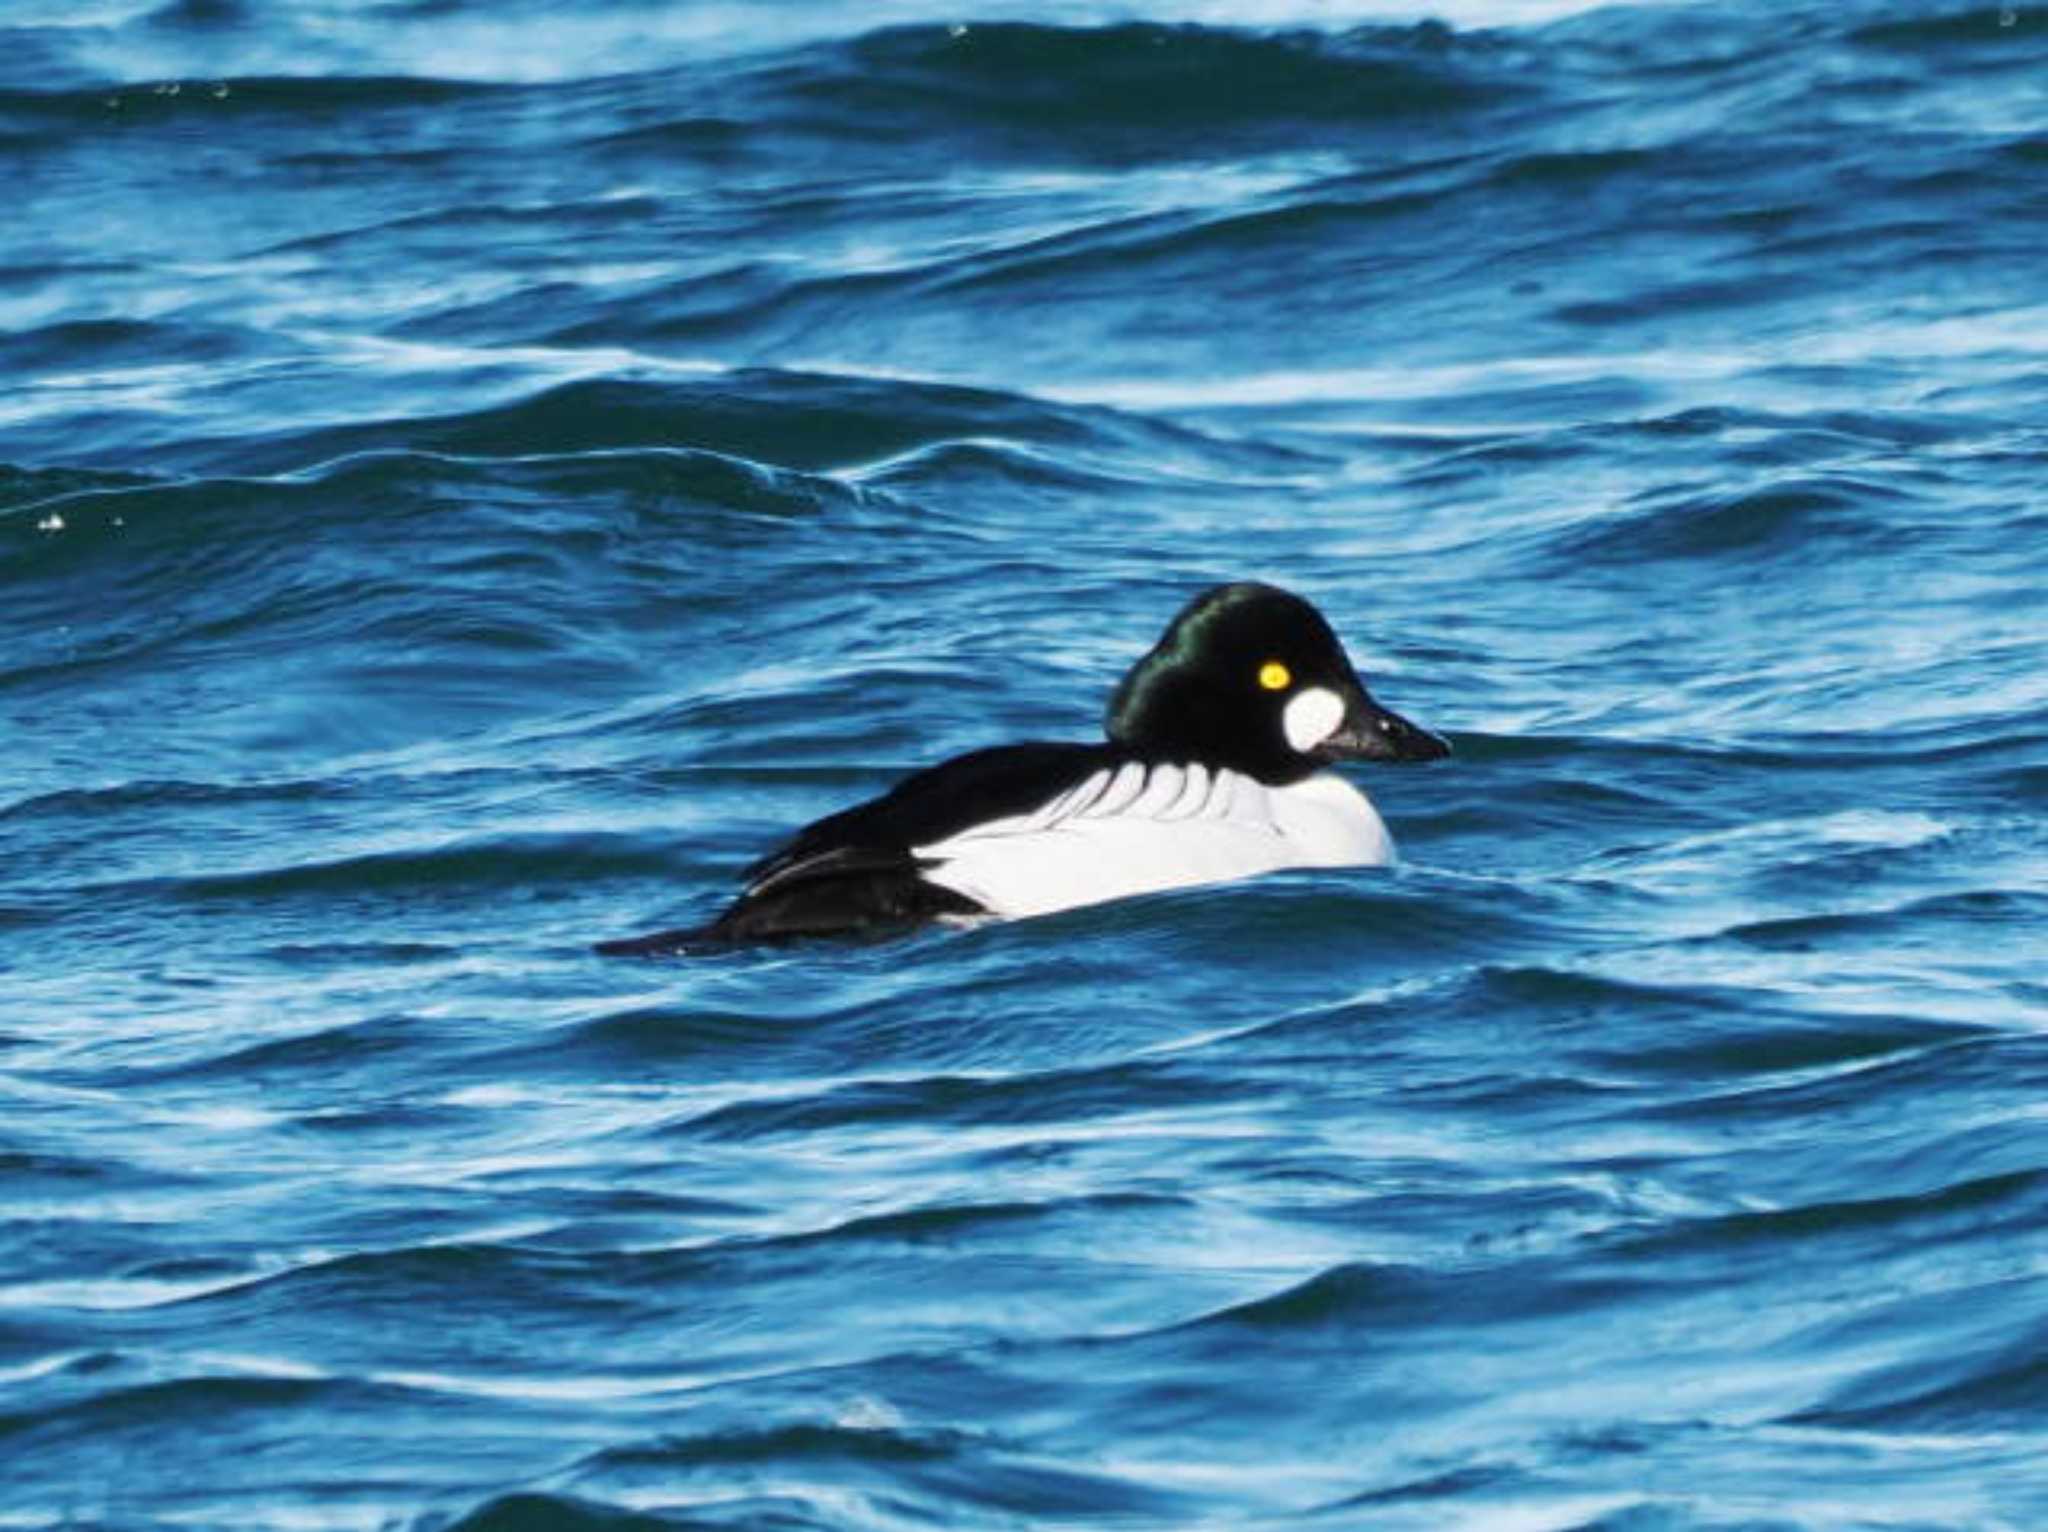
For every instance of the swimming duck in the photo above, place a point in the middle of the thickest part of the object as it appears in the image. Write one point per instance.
(1214, 768)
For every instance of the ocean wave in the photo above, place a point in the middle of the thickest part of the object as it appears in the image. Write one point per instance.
(479, 866)
(37, 119)
(941, 1467)
(28, 493)
(1923, 918)
(786, 1443)
(1045, 1097)
(803, 421)
(1139, 87)
(1355, 1295)
(1084, 92)
(1924, 1221)
(1814, 517)
(534, 1511)
(1997, 26)
(145, 1408)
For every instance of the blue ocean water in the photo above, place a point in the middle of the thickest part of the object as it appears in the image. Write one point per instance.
(473, 477)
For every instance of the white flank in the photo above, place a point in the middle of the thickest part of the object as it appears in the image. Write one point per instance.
(1134, 831)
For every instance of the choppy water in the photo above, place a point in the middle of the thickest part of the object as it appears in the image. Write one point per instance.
(471, 479)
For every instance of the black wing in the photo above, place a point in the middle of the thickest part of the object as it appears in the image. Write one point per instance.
(927, 806)
(854, 871)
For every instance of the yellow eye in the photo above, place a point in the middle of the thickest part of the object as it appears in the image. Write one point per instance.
(1274, 676)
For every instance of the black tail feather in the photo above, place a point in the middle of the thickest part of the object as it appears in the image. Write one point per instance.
(680, 942)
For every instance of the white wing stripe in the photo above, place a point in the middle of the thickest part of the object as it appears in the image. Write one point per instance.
(1134, 831)
(1081, 798)
(1193, 794)
(1122, 791)
(1132, 794)
(1162, 786)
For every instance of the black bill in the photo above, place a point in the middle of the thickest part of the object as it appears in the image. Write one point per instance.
(1370, 732)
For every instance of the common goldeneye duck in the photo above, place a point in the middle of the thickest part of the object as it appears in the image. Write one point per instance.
(1213, 770)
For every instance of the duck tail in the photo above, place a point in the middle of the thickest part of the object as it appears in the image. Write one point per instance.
(684, 941)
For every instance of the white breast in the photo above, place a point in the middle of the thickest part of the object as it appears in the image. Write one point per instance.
(1136, 830)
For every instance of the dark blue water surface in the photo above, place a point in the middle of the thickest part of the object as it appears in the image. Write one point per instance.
(473, 475)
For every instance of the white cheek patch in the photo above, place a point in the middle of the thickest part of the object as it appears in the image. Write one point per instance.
(1311, 716)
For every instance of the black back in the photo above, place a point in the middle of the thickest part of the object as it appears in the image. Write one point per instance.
(854, 872)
